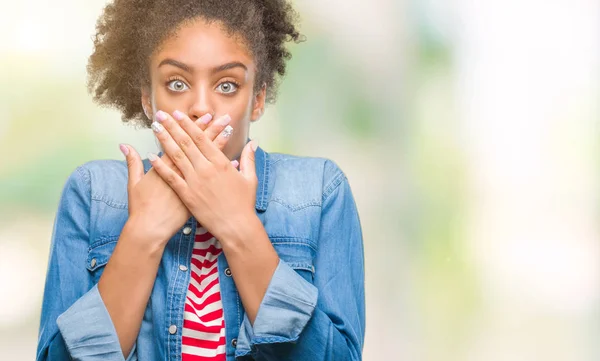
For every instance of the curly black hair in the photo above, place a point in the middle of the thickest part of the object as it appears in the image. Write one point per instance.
(128, 31)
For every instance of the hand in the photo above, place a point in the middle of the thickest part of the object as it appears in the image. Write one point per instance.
(155, 210)
(219, 197)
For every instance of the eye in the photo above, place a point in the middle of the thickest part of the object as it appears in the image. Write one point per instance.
(177, 85)
(227, 87)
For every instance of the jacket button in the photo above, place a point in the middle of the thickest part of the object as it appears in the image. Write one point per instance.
(183, 267)
(172, 329)
(234, 342)
(228, 273)
(187, 230)
(93, 263)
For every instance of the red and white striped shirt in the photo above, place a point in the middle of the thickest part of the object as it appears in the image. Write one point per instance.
(203, 337)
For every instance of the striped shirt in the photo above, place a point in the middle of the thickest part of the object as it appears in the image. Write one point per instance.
(203, 337)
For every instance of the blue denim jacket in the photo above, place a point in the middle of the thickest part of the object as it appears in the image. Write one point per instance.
(314, 307)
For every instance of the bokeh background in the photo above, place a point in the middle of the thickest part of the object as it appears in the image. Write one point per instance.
(469, 131)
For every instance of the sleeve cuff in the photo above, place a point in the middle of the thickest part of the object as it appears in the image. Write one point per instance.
(88, 331)
(284, 311)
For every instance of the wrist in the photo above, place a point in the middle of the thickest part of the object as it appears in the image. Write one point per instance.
(244, 228)
(135, 234)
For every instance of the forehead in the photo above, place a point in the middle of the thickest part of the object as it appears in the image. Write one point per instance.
(203, 45)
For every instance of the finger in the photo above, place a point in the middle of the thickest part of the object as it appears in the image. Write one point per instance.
(235, 164)
(213, 131)
(203, 121)
(177, 152)
(248, 161)
(201, 140)
(135, 167)
(167, 160)
(223, 137)
(170, 177)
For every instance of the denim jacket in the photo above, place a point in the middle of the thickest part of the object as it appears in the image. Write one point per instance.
(313, 309)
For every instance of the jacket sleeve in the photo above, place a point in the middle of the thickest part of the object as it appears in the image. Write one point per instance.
(325, 320)
(75, 324)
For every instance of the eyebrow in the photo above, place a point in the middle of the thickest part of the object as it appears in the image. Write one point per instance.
(187, 68)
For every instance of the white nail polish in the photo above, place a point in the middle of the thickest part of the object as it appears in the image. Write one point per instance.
(157, 127)
(227, 131)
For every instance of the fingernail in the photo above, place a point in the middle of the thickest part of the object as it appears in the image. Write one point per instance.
(254, 145)
(206, 118)
(161, 116)
(152, 157)
(178, 115)
(227, 132)
(224, 120)
(124, 149)
(235, 163)
(157, 127)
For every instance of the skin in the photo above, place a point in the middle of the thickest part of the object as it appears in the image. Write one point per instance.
(196, 168)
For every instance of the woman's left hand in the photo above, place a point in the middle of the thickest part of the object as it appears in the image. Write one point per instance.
(219, 196)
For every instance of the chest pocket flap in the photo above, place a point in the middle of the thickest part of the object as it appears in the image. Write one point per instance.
(297, 253)
(99, 254)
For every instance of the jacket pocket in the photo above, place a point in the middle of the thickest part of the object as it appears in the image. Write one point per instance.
(98, 256)
(297, 253)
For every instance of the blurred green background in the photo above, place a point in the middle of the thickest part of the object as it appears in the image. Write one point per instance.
(468, 131)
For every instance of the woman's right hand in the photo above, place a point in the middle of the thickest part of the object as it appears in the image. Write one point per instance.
(155, 210)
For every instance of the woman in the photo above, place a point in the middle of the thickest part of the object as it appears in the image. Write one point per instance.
(182, 256)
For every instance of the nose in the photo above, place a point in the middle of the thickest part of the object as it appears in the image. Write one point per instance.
(201, 104)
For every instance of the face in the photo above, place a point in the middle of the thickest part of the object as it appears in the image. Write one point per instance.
(201, 69)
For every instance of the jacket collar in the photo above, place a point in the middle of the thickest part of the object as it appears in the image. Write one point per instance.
(262, 172)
